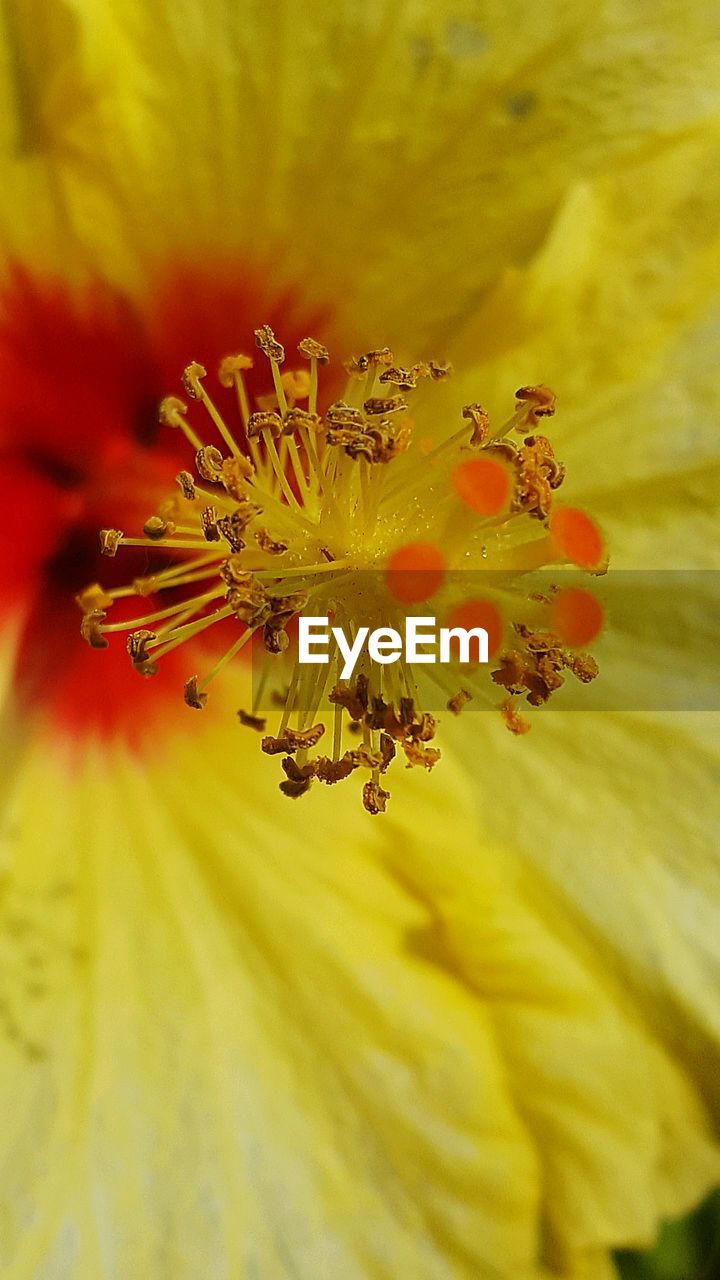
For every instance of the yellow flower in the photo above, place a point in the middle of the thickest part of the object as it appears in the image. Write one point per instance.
(249, 1038)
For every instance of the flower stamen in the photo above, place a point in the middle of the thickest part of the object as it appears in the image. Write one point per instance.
(298, 517)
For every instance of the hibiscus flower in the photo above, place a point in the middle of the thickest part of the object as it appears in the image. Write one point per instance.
(475, 1036)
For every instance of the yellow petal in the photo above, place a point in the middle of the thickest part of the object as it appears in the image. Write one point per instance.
(366, 1052)
(618, 836)
(249, 1073)
(344, 149)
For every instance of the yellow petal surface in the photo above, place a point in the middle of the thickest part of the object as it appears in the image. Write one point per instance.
(446, 133)
(280, 1041)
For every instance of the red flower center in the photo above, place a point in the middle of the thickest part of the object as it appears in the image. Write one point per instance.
(81, 375)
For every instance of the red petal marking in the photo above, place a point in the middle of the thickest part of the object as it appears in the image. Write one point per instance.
(577, 616)
(415, 572)
(81, 374)
(478, 613)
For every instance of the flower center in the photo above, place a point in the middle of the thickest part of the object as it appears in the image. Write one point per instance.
(334, 511)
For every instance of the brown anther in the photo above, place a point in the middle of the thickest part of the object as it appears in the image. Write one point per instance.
(267, 343)
(137, 643)
(354, 697)
(516, 723)
(427, 757)
(313, 350)
(379, 405)
(110, 540)
(458, 701)
(438, 372)
(365, 758)
(293, 740)
(231, 529)
(341, 414)
(540, 404)
(90, 629)
(245, 595)
(171, 411)
(406, 379)
(187, 484)
(209, 522)
(93, 597)
(283, 608)
(583, 666)
(273, 546)
(298, 778)
(481, 423)
(209, 463)
(304, 739)
(275, 638)
(538, 474)
(374, 798)
(274, 746)
(331, 771)
(536, 671)
(377, 713)
(359, 365)
(251, 721)
(264, 420)
(296, 418)
(156, 528)
(230, 366)
(234, 573)
(387, 751)
(192, 695)
(191, 380)
(422, 727)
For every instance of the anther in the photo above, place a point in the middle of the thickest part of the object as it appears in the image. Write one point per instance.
(90, 629)
(540, 404)
(296, 384)
(192, 695)
(110, 540)
(191, 379)
(481, 423)
(172, 411)
(313, 350)
(360, 365)
(209, 524)
(93, 598)
(187, 484)
(265, 339)
(209, 462)
(379, 405)
(405, 379)
(230, 366)
(156, 527)
(458, 701)
(251, 721)
(261, 421)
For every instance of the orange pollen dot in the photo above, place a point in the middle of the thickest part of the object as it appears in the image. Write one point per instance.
(415, 572)
(479, 613)
(577, 537)
(577, 616)
(483, 484)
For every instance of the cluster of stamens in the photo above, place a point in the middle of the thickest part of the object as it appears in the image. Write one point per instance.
(342, 511)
